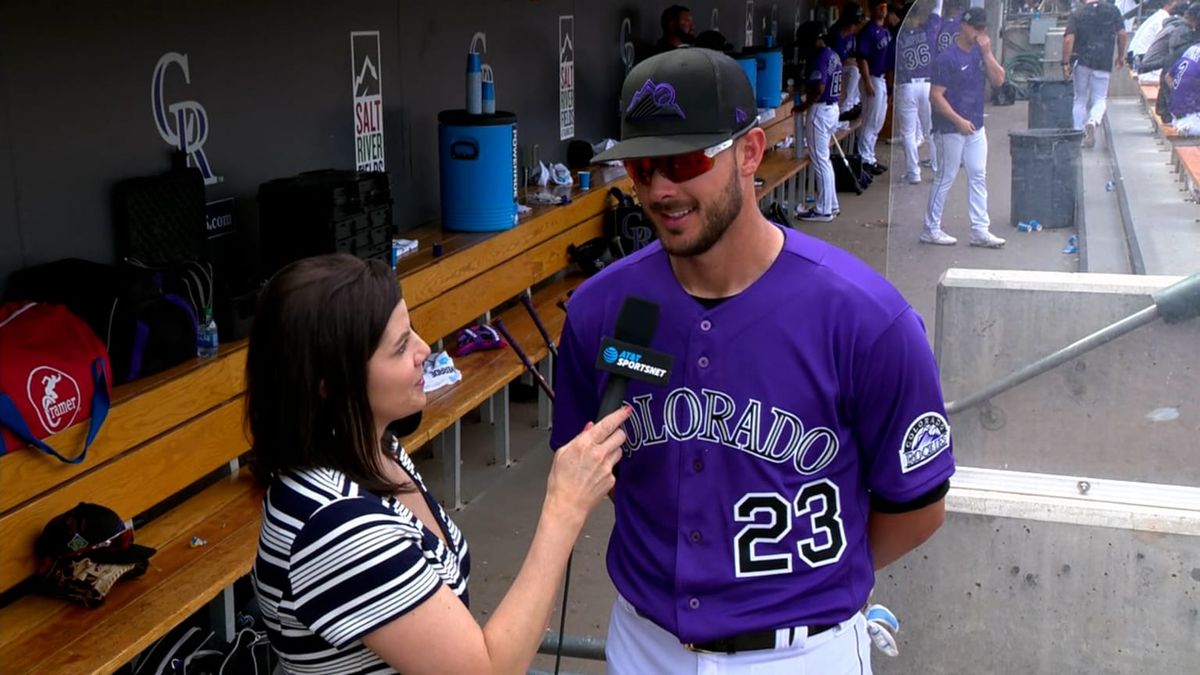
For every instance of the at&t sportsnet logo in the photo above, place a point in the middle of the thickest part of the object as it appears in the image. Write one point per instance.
(925, 439)
(631, 361)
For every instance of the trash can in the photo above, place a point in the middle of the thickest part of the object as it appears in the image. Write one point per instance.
(1050, 103)
(1046, 175)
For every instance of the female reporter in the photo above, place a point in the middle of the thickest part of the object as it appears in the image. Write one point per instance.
(359, 569)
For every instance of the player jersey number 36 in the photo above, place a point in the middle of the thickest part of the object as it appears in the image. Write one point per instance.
(916, 57)
(816, 506)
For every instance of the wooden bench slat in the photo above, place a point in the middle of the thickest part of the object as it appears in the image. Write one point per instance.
(459, 306)
(485, 373)
(428, 284)
(776, 168)
(137, 612)
(139, 412)
(169, 463)
(24, 615)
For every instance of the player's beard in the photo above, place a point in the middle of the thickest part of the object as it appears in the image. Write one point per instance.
(716, 217)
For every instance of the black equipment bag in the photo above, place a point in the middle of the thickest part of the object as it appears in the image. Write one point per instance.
(844, 179)
(325, 211)
(147, 318)
(159, 219)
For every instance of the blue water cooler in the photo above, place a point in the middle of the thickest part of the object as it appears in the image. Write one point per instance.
(750, 65)
(769, 88)
(477, 165)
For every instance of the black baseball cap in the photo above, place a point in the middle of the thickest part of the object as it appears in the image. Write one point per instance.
(811, 31)
(90, 531)
(975, 17)
(681, 101)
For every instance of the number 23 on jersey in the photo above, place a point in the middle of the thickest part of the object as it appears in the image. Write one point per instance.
(815, 508)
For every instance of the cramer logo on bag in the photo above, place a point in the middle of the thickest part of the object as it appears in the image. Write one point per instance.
(55, 396)
(55, 375)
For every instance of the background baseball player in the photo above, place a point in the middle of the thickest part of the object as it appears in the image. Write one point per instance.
(801, 441)
(872, 43)
(1089, 59)
(957, 97)
(820, 108)
(916, 47)
(948, 28)
(1184, 80)
(842, 38)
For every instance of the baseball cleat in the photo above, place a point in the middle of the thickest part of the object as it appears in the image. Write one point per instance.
(938, 237)
(986, 240)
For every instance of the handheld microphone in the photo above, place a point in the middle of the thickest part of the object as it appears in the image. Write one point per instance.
(626, 354)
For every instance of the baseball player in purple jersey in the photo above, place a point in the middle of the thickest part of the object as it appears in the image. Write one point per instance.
(956, 95)
(916, 47)
(820, 108)
(842, 39)
(800, 442)
(1184, 80)
(948, 26)
(872, 43)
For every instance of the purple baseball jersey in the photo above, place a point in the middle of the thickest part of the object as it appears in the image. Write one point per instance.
(948, 32)
(872, 44)
(1185, 97)
(916, 49)
(844, 45)
(743, 496)
(827, 69)
(961, 73)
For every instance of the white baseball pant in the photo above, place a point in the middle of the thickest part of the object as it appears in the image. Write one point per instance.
(955, 149)
(822, 123)
(1091, 95)
(874, 112)
(850, 80)
(1188, 125)
(636, 646)
(914, 120)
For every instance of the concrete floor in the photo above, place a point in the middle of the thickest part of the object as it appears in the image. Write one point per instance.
(504, 503)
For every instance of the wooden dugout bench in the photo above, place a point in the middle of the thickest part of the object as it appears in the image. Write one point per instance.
(172, 447)
(1185, 150)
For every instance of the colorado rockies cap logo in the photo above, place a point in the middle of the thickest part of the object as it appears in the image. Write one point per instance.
(740, 117)
(610, 355)
(653, 101)
(925, 439)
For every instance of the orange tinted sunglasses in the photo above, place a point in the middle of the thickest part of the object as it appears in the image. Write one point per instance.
(676, 168)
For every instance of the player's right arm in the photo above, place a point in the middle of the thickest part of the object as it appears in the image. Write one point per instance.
(937, 97)
(1068, 47)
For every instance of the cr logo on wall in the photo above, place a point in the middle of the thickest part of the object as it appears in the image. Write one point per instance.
(367, 78)
(566, 77)
(183, 124)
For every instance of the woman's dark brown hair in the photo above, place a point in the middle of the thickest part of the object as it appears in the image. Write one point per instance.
(318, 323)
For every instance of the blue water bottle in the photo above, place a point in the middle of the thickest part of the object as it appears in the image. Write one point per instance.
(489, 91)
(206, 336)
(474, 83)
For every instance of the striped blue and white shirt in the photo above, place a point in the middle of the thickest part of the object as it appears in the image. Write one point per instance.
(336, 562)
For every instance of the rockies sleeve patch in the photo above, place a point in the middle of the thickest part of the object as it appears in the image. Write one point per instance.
(926, 438)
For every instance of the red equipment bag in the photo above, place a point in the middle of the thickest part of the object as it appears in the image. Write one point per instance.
(54, 371)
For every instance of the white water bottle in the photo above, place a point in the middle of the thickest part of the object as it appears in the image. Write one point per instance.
(474, 83)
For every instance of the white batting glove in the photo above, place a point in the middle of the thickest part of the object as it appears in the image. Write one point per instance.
(882, 626)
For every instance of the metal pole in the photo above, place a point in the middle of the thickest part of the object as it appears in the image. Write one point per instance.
(1059, 357)
(1176, 303)
(575, 646)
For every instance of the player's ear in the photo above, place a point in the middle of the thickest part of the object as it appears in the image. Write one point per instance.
(750, 150)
